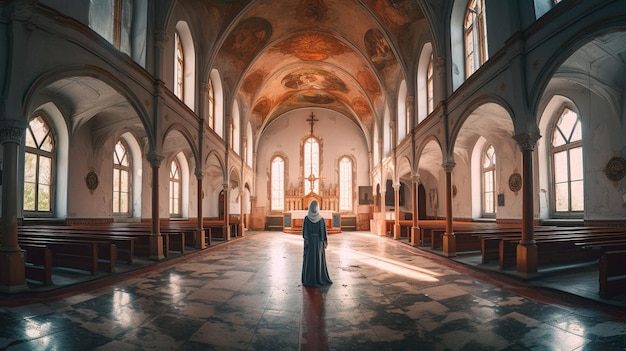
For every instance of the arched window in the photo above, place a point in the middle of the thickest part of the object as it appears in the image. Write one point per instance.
(175, 189)
(311, 169)
(39, 160)
(489, 182)
(278, 184)
(179, 71)
(121, 179)
(475, 36)
(211, 103)
(567, 163)
(430, 103)
(112, 19)
(345, 184)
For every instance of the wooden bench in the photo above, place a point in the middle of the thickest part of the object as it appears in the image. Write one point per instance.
(558, 246)
(38, 263)
(612, 276)
(79, 255)
(125, 245)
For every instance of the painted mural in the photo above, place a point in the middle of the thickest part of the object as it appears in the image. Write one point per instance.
(311, 11)
(314, 79)
(312, 46)
(378, 49)
(250, 36)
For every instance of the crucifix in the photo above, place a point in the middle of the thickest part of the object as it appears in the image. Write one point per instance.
(311, 178)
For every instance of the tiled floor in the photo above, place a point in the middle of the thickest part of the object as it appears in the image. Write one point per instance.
(246, 295)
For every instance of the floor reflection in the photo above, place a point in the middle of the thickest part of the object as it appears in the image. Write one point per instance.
(313, 324)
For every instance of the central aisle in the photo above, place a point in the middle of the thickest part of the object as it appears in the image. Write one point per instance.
(246, 295)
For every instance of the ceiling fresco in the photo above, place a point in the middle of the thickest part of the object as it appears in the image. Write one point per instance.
(279, 55)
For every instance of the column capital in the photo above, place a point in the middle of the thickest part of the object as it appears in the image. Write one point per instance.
(449, 166)
(198, 173)
(396, 185)
(154, 159)
(12, 131)
(527, 140)
(161, 38)
(415, 178)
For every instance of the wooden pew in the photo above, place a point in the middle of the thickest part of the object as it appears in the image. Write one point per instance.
(612, 277)
(38, 263)
(559, 246)
(125, 245)
(80, 255)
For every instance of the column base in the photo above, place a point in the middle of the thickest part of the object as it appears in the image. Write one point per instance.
(414, 238)
(12, 271)
(199, 239)
(396, 231)
(449, 245)
(527, 259)
(156, 247)
(226, 231)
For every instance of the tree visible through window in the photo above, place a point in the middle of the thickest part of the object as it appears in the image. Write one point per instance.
(567, 163)
(38, 166)
(121, 179)
(175, 189)
(489, 181)
(475, 36)
(278, 184)
(345, 184)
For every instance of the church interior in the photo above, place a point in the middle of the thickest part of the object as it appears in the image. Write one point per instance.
(158, 158)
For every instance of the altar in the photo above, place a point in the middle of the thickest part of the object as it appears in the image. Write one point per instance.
(292, 221)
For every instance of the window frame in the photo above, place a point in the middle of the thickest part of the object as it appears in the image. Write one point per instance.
(474, 28)
(485, 193)
(173, 179)
(38, 152)
(122, 168)
(346, 196)
(281, 200)
(567, 147)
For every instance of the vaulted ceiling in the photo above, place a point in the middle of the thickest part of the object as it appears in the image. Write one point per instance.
(344, 55)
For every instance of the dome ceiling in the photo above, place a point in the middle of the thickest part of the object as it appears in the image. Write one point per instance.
(343, 55)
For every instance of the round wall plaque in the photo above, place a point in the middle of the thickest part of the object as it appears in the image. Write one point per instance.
(616, 168)
(91, 180)
(515, 182)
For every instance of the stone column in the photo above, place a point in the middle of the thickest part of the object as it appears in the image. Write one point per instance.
(415, 229)
(396, 211)
(199, 239)
(527, 255)
(156, 240)
(449, 239)
(226, 228)
(382, 226)
(12, 271)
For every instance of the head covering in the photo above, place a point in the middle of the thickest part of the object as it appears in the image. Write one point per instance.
(314, 212)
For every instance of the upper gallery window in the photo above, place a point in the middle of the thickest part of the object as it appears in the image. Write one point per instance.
(475, 36)
(179, 70)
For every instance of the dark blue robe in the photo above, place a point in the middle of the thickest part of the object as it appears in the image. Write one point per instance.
(314, 270)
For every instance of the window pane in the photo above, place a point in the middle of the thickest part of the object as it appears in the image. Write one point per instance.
(576, 163)
(578, 196)
(43, 200)
(123, 203)
(45, 170)
(278, 166)
(116, 179)
(116, 201)
(30, 168)
(345, 184)
(560, 167)
(29, 196)
(124, 181)
(48, 143)
(562, 197)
